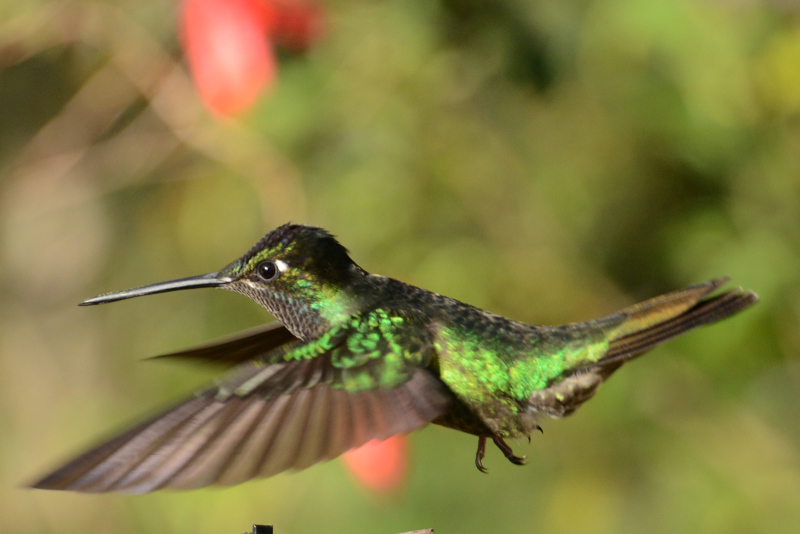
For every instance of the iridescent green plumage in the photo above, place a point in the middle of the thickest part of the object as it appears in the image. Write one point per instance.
(361, 357)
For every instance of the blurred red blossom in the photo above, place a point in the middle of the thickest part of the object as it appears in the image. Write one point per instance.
(380, 465)
(292, 24)
(229, 45)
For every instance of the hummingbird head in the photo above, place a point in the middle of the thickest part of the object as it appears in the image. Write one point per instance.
(300, 274)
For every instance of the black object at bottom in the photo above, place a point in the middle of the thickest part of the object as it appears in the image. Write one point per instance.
(261, 529)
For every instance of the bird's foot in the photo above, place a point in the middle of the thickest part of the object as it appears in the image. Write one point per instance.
(507, 451)
(480, 454)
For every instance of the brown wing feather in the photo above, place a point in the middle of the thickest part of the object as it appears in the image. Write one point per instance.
(230, 351)
(89, 471)
(297, 417)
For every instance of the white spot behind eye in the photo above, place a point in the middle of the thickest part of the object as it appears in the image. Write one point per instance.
(282, 265)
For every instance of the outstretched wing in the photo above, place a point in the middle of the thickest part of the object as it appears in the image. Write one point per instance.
(302, 404)
(230, 351)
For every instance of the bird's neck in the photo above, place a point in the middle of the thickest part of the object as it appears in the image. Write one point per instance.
(308, 312)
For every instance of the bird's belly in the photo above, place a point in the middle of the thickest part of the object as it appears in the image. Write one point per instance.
(484, 387)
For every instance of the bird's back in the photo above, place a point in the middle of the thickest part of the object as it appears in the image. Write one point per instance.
(507, 374)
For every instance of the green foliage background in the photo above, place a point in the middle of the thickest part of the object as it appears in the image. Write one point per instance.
(549, 160)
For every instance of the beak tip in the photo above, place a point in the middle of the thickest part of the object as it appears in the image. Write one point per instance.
(93, 301)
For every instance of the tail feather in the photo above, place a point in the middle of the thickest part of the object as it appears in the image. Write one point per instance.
(654, 321)
(662, 308)
(635, 330)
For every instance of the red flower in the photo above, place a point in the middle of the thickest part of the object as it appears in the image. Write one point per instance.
(229, 45)
(292, 24)
(379, 465)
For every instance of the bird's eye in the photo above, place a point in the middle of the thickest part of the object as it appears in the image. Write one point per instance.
(267, 271)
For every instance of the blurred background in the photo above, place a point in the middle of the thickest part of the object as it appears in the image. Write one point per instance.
(547, 160)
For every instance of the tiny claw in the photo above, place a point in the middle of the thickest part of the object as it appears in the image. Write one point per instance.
(517, 460)
(480, 467)
(480, 454)
(507, 451)
(537, 427)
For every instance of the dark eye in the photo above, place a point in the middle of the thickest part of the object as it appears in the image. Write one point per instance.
(267, 271)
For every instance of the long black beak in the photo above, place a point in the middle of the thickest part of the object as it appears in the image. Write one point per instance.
(203, 280)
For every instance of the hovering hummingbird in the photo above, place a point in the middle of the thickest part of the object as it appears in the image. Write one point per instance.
(357, 357)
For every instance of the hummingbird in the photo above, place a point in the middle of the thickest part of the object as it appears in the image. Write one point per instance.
(358, 357)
